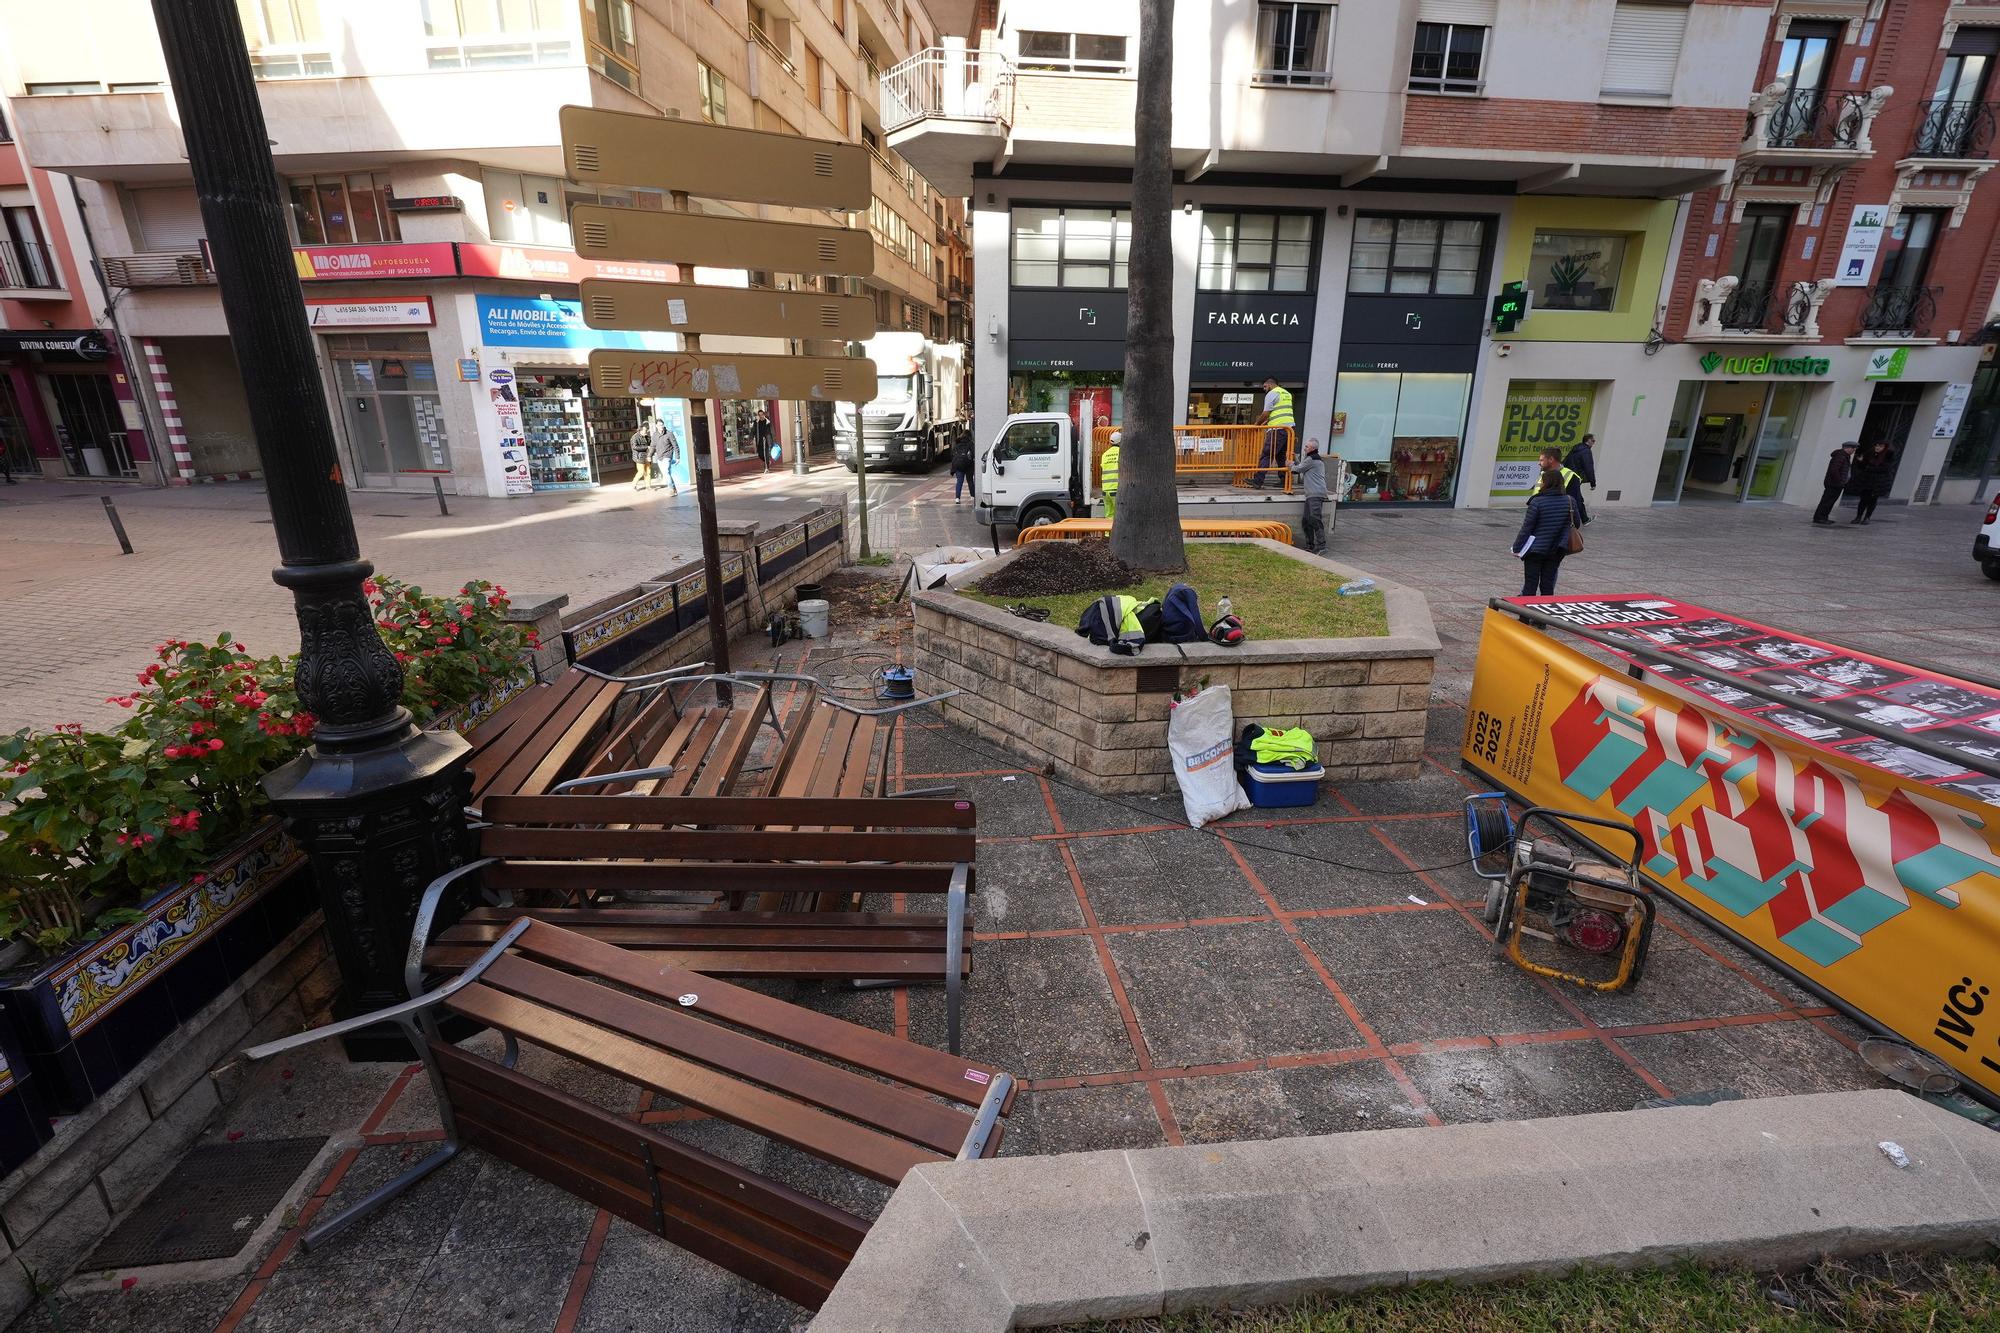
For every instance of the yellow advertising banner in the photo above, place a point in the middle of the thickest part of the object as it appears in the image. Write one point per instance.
(1882, 892)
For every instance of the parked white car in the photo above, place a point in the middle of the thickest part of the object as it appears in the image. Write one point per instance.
(1986, 546)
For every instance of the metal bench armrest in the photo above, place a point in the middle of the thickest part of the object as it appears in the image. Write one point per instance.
(396, 1012)
(629, 775)
(954, 947)
(420, 930)
(670, 673)
(985, 1118)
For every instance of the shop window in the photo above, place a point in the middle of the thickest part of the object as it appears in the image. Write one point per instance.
(1256, 252)
(1071, 247)
(614, 48)
(1071, 52)
(342, 210)
(525, 209)
(1575, 270)
(714, 93)
(1448, 58)
(285, 38)
(1294, 43)
(1417, 255)
(486, 34)
(1401, 435)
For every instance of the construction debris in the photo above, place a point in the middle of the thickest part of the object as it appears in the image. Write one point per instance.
(1057, 569)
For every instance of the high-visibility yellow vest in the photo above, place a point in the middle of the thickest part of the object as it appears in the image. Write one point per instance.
(1107, 469)
(1281, 415)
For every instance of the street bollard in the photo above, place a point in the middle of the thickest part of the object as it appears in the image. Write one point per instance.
(111, 512)
(437, 484)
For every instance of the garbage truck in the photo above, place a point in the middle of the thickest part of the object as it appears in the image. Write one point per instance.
(918, 410)
(1035, 470)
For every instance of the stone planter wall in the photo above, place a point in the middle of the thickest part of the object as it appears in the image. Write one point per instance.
(1053, 698)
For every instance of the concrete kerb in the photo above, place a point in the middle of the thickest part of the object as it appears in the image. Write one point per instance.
(1038, 1241)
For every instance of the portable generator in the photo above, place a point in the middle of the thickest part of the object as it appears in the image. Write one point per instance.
(1576, 916)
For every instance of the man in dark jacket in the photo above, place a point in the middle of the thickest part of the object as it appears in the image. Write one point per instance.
(961, 468)
(1839, 471)
(1543, 540)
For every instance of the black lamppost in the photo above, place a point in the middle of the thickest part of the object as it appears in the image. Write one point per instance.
(375, 801)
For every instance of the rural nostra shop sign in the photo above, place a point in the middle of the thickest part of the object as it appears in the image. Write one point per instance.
(1765, 364)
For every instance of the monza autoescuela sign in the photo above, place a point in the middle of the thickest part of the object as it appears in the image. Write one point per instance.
(1765, 364)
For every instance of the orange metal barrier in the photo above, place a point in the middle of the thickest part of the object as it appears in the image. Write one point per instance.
(1214, 454)
(1076, 529)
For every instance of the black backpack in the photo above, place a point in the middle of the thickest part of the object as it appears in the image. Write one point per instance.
(1180, 616)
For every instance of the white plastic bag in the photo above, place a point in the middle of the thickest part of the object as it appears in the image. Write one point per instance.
(1201, 737)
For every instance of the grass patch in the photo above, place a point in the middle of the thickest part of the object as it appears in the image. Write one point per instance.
(1277, 597)
(876, 560)
(1885, 1293)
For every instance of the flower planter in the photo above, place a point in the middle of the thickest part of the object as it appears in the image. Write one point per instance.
(24, 1120)
(79, 1023)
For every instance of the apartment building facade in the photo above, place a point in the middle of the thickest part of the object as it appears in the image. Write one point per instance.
(67, 402)
(419, 149)
(1354, 186)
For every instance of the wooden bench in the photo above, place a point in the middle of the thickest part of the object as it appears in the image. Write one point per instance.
(859, 1099)
(672, 748)
(600, 864)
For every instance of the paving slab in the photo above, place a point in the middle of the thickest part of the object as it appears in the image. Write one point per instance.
(1290, 1102)
(1087, 1119)
(1040, 1005)
(1505, 1083)
(1182, 875)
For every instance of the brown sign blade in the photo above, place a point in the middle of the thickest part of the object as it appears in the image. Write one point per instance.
(616, 373)
(687, 308)
(720, 242)
(715, 161)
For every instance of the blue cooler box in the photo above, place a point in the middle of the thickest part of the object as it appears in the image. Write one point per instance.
(1272, 785)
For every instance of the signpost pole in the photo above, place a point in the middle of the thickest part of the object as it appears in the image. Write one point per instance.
(705, 444)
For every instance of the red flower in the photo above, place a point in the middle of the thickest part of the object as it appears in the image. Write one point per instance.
(369, 586)
(239, 648)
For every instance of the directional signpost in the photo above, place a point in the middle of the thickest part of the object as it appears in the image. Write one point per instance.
(749, 166)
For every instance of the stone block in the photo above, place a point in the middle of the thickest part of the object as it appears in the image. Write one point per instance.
(1369, 698)
(1115, 763)
(318, 987)
(1276, 675)
(1351, 750)
(1067, 1237)
(1304, 701)
(128, 1179)
(1108, 707)
(1251, 703)
(1392, 724)
(917, 1269)
(1415, 697)
(57, 1180)
(69, 1234)
(1330, 726)
(1400, 671)
(274, 986)
(212, 1039)
(1407, 748)
(283, 1021)
(1338, 772)
(1335, 673)
(1155, 707)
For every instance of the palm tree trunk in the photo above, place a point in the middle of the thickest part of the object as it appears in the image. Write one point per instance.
(1147, 529)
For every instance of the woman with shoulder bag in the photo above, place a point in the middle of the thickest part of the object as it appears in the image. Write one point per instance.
(1548, 533)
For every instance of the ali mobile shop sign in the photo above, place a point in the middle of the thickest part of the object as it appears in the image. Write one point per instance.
(1766, 364)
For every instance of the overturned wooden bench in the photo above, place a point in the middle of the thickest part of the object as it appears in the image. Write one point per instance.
(862, 1100)
(636, 871)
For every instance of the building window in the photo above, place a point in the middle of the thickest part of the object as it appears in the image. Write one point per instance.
(1645, 49)
(528, 209)
(714, 93)
(767, 119)
(1575, 271)
(1071, 52)
(1417, 255)
(64, 89)
(1071, 247)
(342, 210)
(838, 10)
(6, 132)
(25, 260)
(897, 236)
(1294, 43)
(285, 38)
(614, 47)
(840, 103)
(814, 79)
(484, 34)
(1448, 58)
(1256, 252)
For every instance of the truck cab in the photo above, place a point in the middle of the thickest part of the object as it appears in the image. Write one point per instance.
(1029, 473)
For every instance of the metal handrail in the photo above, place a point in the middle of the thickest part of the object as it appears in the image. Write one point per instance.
(1954, 129)
(1816, 118)
(1748, 307)
(1895, 310)
(948, 83)
(761, 38)
(181, 269)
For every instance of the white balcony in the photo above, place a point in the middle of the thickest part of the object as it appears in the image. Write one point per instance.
(946, 109)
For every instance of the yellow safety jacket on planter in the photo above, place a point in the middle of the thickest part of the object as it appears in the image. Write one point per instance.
(1281, 414)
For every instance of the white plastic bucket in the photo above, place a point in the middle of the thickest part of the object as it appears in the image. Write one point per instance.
(812, 618)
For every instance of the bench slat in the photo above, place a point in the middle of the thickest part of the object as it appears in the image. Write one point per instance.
(750, 811)
(573, 918)
(762, 964)
(722, 876)
(857, 1147)
(918, 1066)
(745, 845)
(737, 1054)
(554, 745)
(673, 936)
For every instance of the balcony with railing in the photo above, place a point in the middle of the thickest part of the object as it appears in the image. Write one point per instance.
(1732, 309)
(1811, 126)
(29, 269)
(156, 270)
(946, 108)
(1899, 313)
(1952, 131)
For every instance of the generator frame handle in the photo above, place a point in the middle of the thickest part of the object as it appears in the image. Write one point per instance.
(1552, 816)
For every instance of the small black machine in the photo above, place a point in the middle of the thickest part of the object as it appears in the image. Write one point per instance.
(1576, 916)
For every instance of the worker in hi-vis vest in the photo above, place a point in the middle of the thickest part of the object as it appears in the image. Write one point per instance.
(1277, 420)
(1107, 474)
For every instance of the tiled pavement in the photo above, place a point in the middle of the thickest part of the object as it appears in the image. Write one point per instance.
(1288, 972)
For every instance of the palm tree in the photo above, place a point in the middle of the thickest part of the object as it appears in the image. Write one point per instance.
(1147, 529)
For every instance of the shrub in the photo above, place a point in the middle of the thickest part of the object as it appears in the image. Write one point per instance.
(92, 823)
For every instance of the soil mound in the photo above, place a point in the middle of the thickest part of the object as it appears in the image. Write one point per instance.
(1057, 569)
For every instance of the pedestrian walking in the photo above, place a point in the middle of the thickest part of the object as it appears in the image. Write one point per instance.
(961, 468)
(761, 433)
(1107, 474)
(642, 454)
(1839, 471)
(1582, 460)
(1276, 419)
(1543, 540)
(1572, 482)
(1874, 474)
(1311, 472)
(666, 455)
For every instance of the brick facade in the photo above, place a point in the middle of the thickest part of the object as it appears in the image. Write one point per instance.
(1585, 128)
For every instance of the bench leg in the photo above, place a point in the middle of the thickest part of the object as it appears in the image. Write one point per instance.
(954, 950)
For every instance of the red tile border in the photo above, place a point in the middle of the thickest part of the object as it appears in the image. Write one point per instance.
(586, 1269)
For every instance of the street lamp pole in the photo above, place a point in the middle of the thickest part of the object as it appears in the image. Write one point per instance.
(375, 801)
